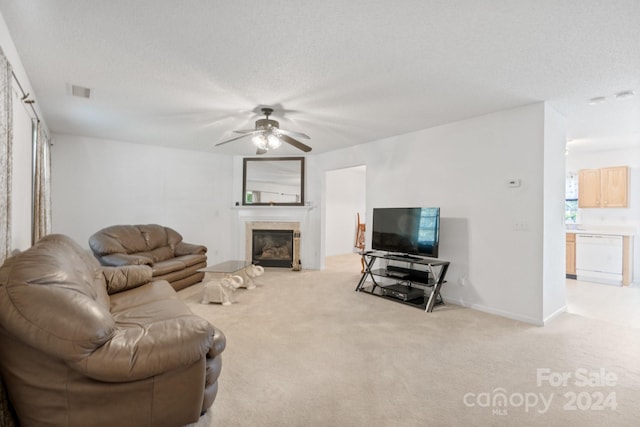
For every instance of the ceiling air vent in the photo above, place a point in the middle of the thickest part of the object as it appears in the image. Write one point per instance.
(79, 91)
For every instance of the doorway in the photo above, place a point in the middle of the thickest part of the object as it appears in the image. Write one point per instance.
(603, 301)
(345, 198)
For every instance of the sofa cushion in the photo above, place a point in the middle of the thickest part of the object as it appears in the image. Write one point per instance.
(120, 259)
(118, 238)
(149, 292)
(190, 272)
(126, 277)
(190, 260)
(173, 237)
(133, 239)
(155, 235)
(162, 253)
(182, 283)
(168, 266)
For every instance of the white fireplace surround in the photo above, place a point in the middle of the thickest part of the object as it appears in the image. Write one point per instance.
(270, 218)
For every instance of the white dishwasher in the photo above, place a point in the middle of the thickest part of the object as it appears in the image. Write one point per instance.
(599, 258)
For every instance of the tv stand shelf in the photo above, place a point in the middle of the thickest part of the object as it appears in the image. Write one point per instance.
(417, 282)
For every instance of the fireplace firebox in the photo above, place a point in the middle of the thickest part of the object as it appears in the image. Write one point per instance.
(272, 248)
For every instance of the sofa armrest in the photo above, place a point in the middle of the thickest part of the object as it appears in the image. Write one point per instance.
(219, 343)
(119, 259)
(183, 248)
(126, 277)
(137, 353)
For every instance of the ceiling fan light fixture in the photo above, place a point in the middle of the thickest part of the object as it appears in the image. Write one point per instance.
(260, 141)
(267, 135)
(273, 141)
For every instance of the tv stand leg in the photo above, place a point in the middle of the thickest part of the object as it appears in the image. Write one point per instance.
(439, 279)
(367, 272)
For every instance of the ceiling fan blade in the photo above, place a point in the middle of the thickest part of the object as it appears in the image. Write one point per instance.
(230, 140)
(248, 131)
(261, 151)
(293, 134)
(299, 145)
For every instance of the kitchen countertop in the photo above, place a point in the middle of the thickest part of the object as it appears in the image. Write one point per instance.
(604, 230)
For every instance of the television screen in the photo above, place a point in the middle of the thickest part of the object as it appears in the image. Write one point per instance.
(406, 230)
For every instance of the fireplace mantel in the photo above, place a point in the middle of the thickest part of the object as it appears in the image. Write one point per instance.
(272, 208)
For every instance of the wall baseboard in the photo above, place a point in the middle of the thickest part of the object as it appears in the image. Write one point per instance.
(497, 312)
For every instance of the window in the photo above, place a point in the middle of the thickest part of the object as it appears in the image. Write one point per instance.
(571, 198)
(571, 211)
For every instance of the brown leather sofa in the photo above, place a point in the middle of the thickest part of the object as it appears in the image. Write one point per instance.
(85, 345)
(160, 247)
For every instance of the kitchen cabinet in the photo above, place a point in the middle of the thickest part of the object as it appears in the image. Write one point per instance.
(615, 186)
(589, 188)
(604, 187)
(571, 255)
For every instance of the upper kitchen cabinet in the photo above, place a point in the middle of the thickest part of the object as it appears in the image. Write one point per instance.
(589, 188)
(615, 190)
(604, 187)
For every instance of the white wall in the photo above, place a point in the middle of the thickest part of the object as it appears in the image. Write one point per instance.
(97, 183)
(463, 167)
(554, 260)
(345, 198)
(627, 217)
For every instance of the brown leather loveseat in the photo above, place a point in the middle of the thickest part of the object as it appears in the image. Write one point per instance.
(85, 345)
(160, 247)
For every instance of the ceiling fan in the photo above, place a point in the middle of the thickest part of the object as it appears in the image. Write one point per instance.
(267, 135)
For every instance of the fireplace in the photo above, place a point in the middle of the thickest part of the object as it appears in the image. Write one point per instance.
(272, 248)
(274, 244)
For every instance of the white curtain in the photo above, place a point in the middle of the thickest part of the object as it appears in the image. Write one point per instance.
(6, 139)
(42, 186)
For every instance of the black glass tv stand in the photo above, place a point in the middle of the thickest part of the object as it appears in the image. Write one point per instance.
(410, 280)
(403, 257)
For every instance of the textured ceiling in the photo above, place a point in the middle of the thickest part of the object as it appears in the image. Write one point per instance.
(187, 74)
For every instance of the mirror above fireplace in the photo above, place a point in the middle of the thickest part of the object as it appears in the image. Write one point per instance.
(273, 181)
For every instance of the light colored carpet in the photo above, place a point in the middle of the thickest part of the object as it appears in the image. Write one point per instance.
(304, 349)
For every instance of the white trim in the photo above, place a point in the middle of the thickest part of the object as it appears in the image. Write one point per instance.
(491, 310)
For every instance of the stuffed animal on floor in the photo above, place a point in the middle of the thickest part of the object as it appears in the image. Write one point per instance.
(252, 272)
(222, 292)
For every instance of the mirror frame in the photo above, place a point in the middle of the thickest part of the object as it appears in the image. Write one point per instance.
(246, 164)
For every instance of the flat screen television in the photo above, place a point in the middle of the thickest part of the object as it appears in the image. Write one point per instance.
(414, 231)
